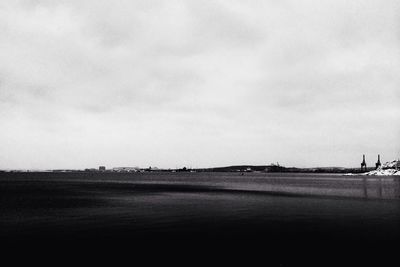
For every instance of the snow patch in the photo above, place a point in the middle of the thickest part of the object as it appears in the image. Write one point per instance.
(387, 169)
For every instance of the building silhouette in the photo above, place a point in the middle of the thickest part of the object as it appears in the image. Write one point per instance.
(378, 163)
(363, 164)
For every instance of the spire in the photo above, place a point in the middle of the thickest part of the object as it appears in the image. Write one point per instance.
(378, 163)
(363, 164)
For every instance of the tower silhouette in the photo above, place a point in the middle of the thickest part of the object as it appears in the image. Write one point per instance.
(378, 163)
(363, 164)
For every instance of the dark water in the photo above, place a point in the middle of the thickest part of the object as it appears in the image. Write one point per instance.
(278, 210)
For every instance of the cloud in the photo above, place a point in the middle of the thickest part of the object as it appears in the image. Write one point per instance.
(198, 82)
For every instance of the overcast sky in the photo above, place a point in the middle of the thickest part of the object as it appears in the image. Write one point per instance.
(198, 83)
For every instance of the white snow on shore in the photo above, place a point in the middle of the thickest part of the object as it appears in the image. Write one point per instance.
(387, 169)
(386, 172)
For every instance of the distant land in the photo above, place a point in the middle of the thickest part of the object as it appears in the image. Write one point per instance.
(279, 168)
(234, 168)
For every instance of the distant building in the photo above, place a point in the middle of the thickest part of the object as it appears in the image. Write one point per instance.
(378, 164)
(102, 168)
(126, 169)
(363, 164)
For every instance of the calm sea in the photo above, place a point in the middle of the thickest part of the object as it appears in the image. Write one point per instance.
(214, 205)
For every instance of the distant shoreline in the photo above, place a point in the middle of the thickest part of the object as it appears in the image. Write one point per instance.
(235, 169)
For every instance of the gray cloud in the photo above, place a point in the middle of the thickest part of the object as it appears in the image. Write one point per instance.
(198, 83)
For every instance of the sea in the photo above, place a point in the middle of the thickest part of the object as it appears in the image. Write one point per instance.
(281, 211)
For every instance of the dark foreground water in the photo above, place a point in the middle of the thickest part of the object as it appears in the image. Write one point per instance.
(282, 212)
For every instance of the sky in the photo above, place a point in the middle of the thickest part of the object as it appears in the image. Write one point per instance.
(198, 83)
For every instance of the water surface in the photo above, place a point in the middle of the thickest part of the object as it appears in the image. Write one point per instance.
(208, 205)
